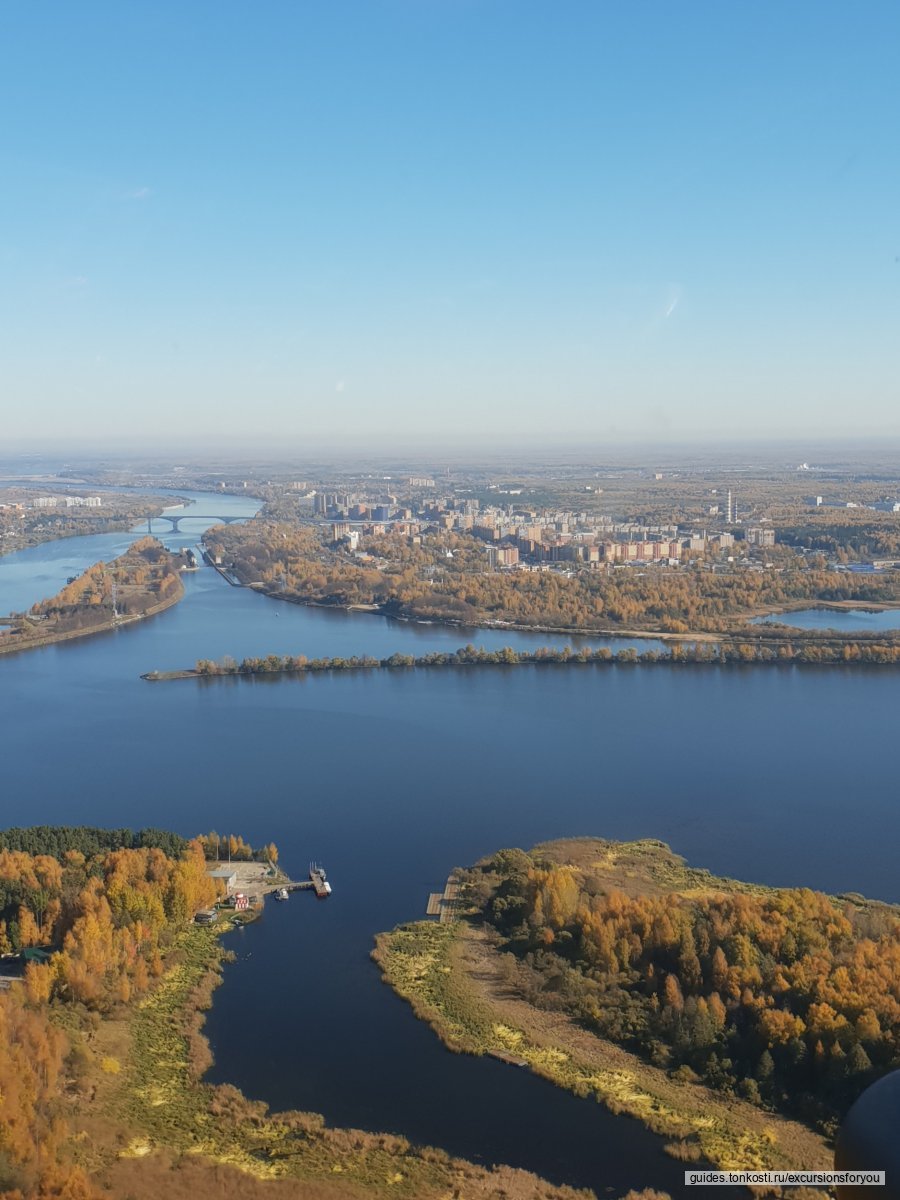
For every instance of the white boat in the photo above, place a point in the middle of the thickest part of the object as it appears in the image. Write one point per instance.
(281, 894)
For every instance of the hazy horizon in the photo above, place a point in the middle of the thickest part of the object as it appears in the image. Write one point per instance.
(806, 457)
(380, 224)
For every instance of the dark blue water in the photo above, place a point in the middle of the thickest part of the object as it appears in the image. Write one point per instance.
(392, 778)
(851, 620)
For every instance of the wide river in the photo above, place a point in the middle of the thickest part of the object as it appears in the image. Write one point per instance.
(391, 779)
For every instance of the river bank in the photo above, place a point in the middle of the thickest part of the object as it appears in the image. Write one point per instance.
(738, 626)
(454, 979)
(391, 612)
(103, 627)
(140, 583)
(829, 606)
(441, 578)
(152, 1113)
(719, 1012)
(23, 527)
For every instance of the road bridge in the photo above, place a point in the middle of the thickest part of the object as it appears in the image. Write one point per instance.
(190, 516)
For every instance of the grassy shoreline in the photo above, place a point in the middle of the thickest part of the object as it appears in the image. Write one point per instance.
(425, 964)
(154, 1118)
(447, 974)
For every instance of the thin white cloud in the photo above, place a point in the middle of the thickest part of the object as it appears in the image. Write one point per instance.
(140, 193)
(674, 297)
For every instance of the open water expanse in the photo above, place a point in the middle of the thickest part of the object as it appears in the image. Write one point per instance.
(848, 620)
(779, 774)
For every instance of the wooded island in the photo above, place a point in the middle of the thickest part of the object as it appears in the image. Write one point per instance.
(814, 649)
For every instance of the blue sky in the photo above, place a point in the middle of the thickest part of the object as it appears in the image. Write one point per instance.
(440, 220)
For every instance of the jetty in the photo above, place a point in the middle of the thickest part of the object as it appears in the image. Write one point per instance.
(444, 905)
(317, 882)
(255, 880)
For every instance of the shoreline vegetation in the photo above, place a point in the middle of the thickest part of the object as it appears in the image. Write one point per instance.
(102, 1051)
(736, 627)
(440, 576)
(23, 527)
(455, 980)
(140, 583)
(816, 649)
(746, 628)
(737, 1020)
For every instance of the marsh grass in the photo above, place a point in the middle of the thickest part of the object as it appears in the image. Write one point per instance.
(430, 965)
(159, 1109)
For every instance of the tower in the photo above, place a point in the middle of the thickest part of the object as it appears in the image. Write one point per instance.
(729, 511)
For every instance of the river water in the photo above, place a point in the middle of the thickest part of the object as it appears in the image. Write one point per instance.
(849, 620)
(392, 778)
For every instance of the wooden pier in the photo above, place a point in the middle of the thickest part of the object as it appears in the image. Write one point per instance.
(444, 905)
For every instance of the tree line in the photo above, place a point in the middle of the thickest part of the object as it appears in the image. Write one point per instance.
(105, 907)
(788, 997)
(57, 840)
(812, 651)
(99, 917)
(233, 847)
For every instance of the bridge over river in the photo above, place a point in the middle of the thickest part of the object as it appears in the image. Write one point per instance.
(190, 516)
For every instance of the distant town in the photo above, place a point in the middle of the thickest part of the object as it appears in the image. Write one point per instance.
(521, 536)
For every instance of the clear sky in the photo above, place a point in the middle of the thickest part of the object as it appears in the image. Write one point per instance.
(310, 220)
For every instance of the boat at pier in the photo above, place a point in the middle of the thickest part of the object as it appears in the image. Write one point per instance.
(319, 882)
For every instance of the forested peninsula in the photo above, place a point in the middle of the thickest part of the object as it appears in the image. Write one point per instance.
(103, 983)
(139, 583)
(738, 1020)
